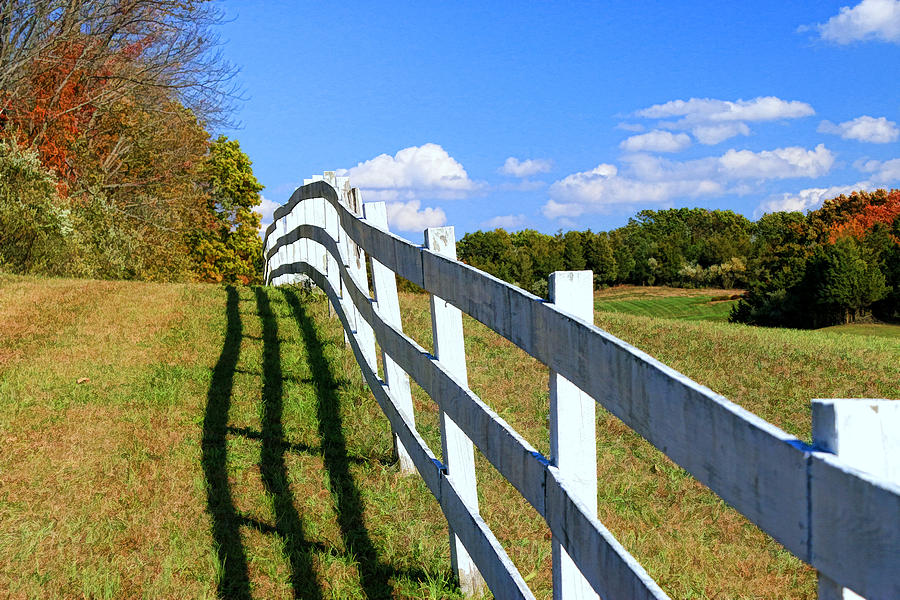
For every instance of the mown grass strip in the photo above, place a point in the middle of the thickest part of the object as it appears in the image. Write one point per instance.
(690, 308)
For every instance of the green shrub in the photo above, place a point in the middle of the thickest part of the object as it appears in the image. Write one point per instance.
(34, 226)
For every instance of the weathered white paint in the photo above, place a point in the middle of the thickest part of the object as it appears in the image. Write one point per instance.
(459, 456)
(750, 463)
(356, 261)
(294, 251)
(573, 435)
(500, 573)
(864, 434)
(612, 572)
(281, 258)
(387, 304)
(810, 501)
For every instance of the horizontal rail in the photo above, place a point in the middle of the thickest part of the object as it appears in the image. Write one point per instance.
(498, 570)
(774, 479)
(608, 567)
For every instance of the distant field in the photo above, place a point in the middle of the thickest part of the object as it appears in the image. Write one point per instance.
(879, 329)
(701, 305)
(224, 446)
(667, 303)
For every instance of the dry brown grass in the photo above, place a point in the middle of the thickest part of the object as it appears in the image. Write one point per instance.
(690, 541)
(104, 486)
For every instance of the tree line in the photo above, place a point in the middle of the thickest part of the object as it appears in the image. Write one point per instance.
(108, 168)
(832, 265)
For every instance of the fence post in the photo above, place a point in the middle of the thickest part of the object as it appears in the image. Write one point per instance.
(267, 269)
(356, 265)
(458, 452)
(573, 441)
(280, 254)
(864, 434)
(332, 225)
(293, 250)
(385, 283)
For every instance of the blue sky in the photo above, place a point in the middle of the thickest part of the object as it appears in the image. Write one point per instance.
(569, 115)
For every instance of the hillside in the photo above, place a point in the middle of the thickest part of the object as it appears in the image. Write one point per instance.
(223, 443)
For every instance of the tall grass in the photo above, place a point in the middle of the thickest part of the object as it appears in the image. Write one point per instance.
(224, 445)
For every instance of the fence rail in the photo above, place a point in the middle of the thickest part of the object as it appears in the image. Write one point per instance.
(842, 521)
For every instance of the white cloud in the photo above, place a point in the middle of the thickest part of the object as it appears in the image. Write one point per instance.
(408, 216)
(562, 210)
(710, 135)
(868, 20)
(864, 129)
(508, 222)
(808, 199)
(710, 110)
(596, 190)
(656, 141)
(410, 174)
(712, 121)
(648, 179)
(646, 167)
(524, 168)
(267, 209)
(882, 170)
(780, 163)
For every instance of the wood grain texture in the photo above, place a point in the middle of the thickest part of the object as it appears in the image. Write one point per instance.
(498, 571)
(384, 283)
(573, 432)
(852, 538)
(811, 504)
(751, 464)
(525, 468)
(456, 447)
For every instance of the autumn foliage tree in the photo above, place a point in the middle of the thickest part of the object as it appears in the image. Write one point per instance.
(835, 265)
(116, 99)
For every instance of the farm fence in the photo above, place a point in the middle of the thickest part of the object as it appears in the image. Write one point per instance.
(835, 504)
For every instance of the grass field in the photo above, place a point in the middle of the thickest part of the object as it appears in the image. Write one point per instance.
(701, 305)
(667, 303)
(225, 446)
(868, 329)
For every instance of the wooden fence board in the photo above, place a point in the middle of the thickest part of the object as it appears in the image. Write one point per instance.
(793, 493)
(855, 539)
(523, 466)
(495, 565)
(384, 284)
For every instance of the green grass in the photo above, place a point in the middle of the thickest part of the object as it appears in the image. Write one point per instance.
(867, 329)
(693, 308)
(667, 303)
(225, 446)
(701, 305)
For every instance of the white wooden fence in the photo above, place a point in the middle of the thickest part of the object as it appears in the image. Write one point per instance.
(826, 504)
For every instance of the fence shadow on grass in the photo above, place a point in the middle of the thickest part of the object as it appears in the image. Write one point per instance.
(273, 469)
(233, 582)
(374, 575)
